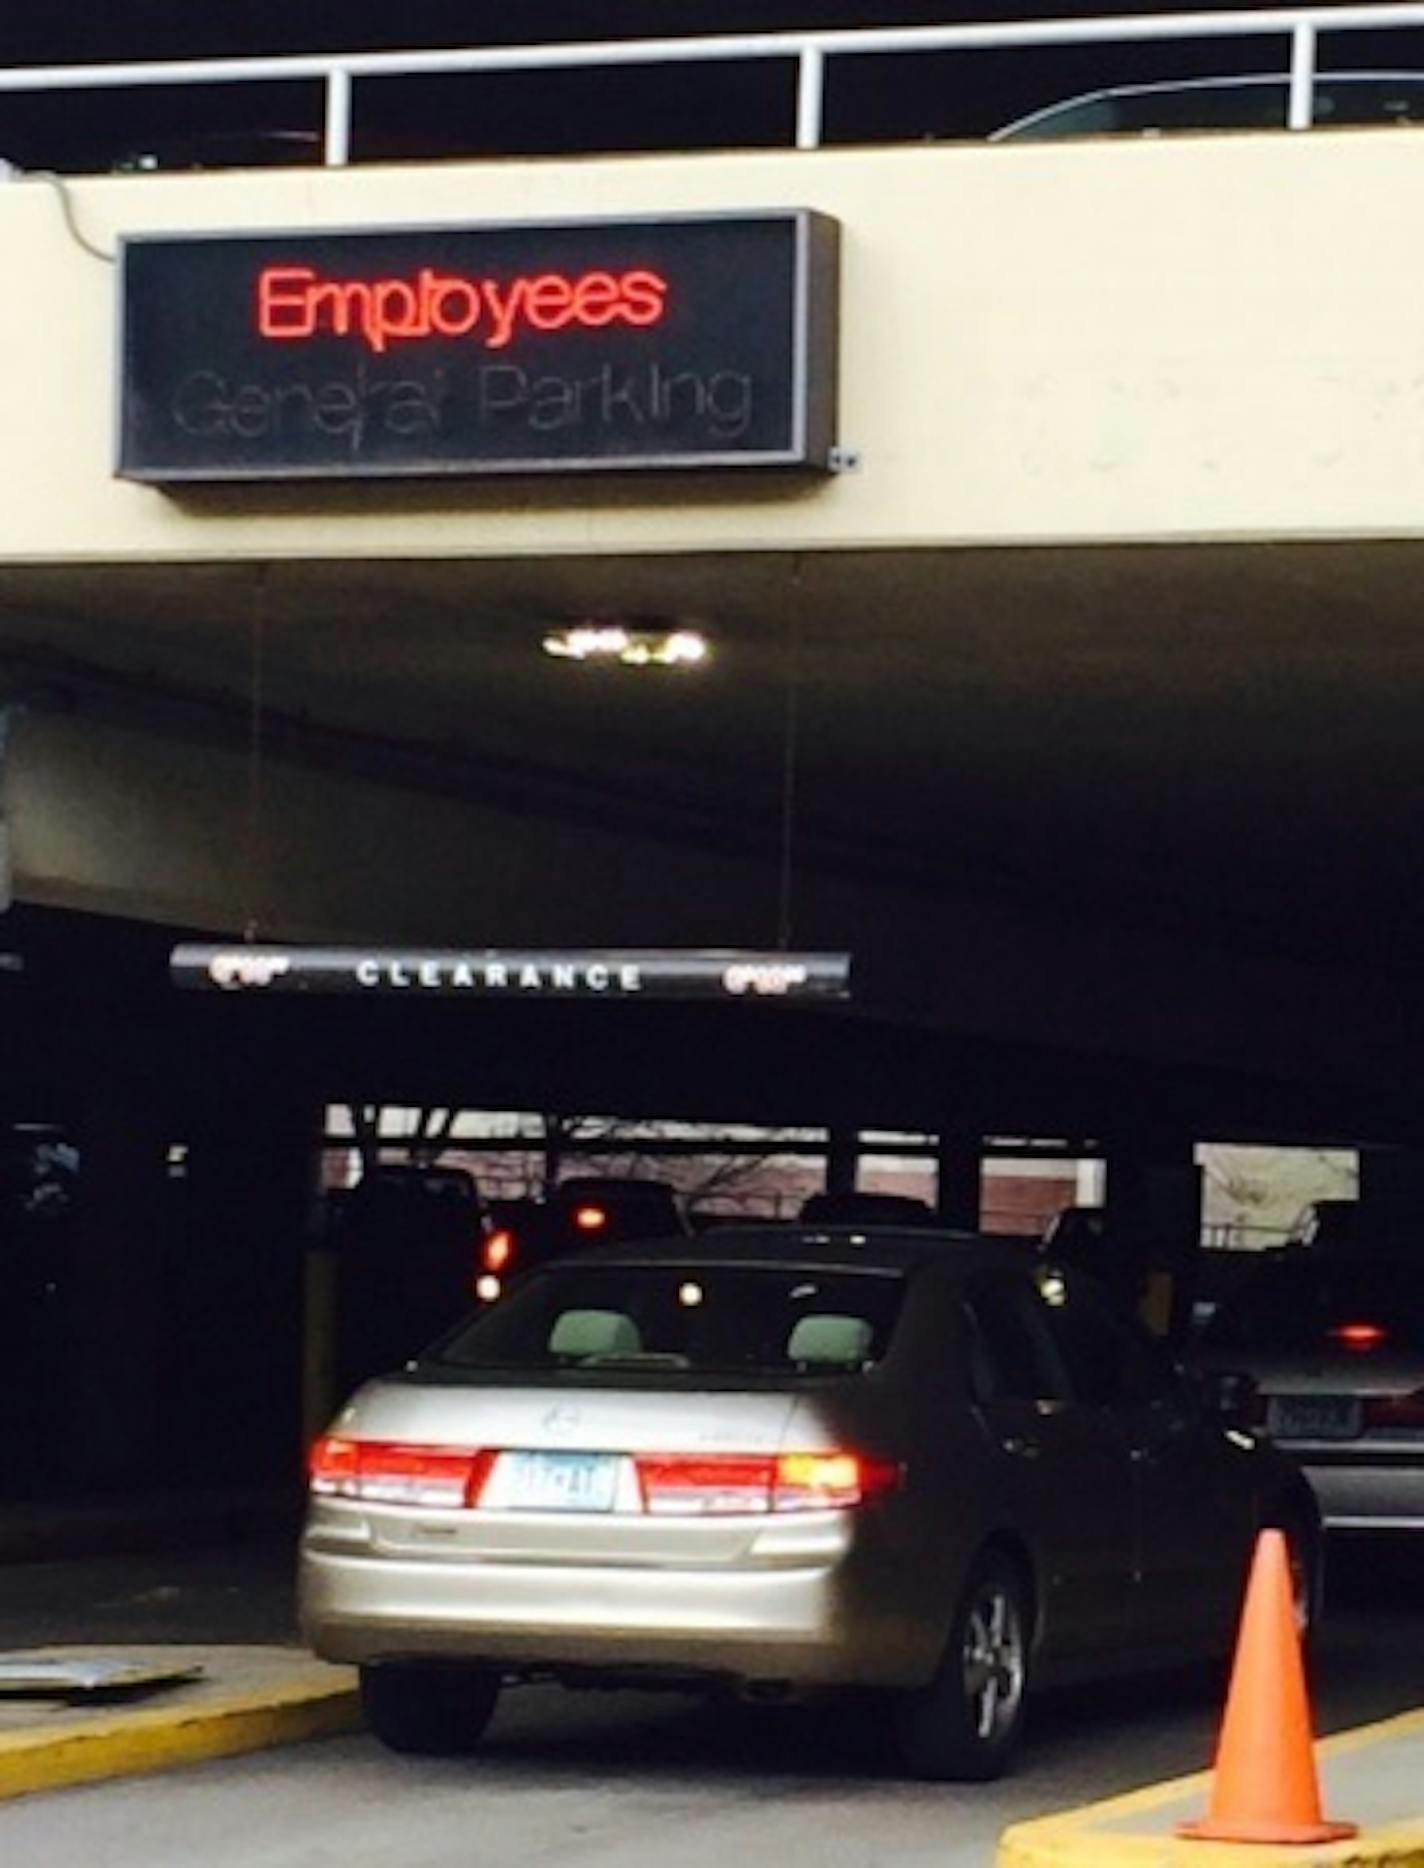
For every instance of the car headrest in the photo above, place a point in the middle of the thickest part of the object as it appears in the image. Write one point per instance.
(842, 1340)
(595, 1333)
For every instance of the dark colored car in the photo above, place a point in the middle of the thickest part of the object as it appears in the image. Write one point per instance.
(1332, 1226)
(1351, 99)
(775, 1463)
(584, 1210)
(1335, 1346)
(407, 1243)
(867, 1209)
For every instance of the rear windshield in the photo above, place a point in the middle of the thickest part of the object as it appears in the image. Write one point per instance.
(1299, 1304)
(704, 1319)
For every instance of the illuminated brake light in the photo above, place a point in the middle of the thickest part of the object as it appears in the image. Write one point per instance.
(498, 1250)
(590, 1218)
(693, 1486)
(821, 1481)
(390, 1472)
(1358, 1335)
(720, 1484)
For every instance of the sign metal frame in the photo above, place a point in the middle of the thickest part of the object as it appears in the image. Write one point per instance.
(615, 974)
(814, 314)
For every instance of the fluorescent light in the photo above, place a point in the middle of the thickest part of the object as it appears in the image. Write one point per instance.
(630, 647)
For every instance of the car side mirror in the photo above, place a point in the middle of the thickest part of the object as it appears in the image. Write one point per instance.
(1230, 1396)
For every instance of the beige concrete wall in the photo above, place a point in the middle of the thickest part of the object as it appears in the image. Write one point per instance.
(1188, 338)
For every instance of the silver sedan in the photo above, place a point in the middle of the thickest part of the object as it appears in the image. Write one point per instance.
(1335, 1346)
(774, 1463)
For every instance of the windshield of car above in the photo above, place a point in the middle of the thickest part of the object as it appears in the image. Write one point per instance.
(699, 1318)
(1304, 1304)
(1252, 103)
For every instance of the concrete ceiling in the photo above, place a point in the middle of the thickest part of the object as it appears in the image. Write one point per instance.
(1219, 742)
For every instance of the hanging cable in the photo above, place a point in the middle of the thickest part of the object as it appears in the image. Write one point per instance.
(252, 864)
(71, 219)
(790, 751)
(10, 712)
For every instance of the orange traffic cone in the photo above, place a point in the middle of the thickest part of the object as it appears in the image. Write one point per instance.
(1265, 1787)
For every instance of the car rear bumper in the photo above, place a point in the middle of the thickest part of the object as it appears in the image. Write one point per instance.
(807, 1619)
(1381, 1494)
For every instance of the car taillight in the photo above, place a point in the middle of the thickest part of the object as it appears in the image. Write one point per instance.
(590, 1218)
(1359, 1336)
(1405, 1410)
(497, 1251)
(390, 1472)
(705, 1485)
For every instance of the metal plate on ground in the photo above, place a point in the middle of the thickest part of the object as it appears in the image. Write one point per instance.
(34, 1676)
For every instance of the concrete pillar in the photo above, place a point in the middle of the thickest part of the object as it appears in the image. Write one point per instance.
(959, 1163)
(1391, 1201)
(1152, 1232)
(113, 1298)
(842, 1160)
(250, 1174)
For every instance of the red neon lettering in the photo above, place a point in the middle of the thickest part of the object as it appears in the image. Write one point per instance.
(395, 310)
(295, 303)
(284, 304)
(643, 296)
(349, 302)
(549, 302)
(451, 306)
(596, 299)
(505, 306)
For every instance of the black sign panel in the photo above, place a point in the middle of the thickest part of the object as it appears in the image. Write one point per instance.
(625, 973)
(706, 341)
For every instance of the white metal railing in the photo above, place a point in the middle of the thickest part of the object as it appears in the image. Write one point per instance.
(810, 51)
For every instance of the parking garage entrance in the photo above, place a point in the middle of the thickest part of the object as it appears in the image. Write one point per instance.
(182, 1173)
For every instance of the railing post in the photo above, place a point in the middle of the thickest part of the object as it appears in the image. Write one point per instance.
(810, 96)
(1302, 78)
(338, 117)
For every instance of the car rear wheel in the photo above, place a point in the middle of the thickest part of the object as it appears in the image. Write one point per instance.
(428, 1709)
(966, 1723)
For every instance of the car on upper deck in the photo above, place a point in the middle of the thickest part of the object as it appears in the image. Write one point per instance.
(1342, 100)
(921, 1466)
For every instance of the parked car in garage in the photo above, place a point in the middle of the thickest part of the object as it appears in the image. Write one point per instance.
(859, 1208)
(780, 1462)
(583, 1210)
(407, 1240)
(1335, 1347)
(1343, 99)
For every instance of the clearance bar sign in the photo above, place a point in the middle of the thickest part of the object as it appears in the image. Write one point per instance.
(625, 973)
(706, 341)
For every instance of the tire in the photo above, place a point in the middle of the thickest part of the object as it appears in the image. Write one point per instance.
(965, 1725)
(428, 1710)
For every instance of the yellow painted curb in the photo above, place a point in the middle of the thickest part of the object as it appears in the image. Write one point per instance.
(1078, 1839)
(122, 1744)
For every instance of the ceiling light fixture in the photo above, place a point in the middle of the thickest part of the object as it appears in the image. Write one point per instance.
(630, 645)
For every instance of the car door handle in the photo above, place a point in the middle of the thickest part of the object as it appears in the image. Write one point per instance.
(1020, 1448)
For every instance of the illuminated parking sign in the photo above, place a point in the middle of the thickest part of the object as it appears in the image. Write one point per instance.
(625, 973)
(699, 341)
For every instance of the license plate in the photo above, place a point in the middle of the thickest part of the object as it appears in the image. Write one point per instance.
(562, 1481)
(1314, 1417)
